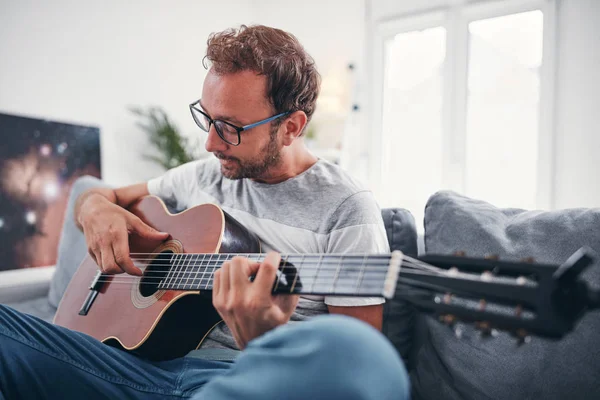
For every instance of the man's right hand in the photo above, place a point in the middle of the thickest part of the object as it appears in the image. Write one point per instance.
(107, 227)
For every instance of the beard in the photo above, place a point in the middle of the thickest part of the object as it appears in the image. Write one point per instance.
(256, 167)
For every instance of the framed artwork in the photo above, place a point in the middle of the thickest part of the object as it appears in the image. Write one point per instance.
(39, 161)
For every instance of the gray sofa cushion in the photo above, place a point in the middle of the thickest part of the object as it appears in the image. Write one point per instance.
(38, 307)
(473, 367)
(399, 316)
(72, 247)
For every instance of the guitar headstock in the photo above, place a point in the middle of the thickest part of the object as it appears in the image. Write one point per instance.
(521, 297)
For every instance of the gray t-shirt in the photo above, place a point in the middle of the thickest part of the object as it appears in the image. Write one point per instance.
(322, 210)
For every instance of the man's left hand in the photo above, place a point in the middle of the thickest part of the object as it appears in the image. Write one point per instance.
(249, 308)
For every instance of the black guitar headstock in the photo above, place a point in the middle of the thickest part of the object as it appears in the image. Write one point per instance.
(521, 297)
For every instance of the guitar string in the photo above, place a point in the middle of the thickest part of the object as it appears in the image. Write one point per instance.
(185, 281)
(349, 267)
(307, 266)
(348, 259)
(366, 282)
(406, 260)
(193, 285)
(182, 277)
(373, 268)
(405, 286)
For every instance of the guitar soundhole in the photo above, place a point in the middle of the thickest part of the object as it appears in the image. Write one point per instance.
(155, 272)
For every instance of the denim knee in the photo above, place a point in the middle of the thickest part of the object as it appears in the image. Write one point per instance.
(352, 358)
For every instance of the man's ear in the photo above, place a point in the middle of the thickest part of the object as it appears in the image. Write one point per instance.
(293, 126)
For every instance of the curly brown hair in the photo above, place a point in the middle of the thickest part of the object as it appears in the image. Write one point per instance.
(292, 79)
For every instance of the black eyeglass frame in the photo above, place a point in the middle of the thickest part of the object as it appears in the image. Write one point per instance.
(239, 129)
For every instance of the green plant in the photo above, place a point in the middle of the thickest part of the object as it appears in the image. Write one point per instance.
(171, 148)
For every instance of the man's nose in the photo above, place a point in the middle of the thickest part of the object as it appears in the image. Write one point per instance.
(214, 142)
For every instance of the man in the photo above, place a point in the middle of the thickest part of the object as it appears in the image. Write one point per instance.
(258, 96)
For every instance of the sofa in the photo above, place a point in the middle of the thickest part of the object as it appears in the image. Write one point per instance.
(442, 364)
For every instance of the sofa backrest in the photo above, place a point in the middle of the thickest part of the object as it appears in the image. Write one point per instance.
(399, 317)
(471, 366)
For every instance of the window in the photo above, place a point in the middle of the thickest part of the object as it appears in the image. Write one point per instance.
(412, 115)
(458, 105)
(505, 56)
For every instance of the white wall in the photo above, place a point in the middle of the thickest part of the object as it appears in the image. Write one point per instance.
(577, 171)
(86, 61)
(333, 33)
(577, 119)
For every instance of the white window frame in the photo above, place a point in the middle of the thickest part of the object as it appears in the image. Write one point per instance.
(455, 18)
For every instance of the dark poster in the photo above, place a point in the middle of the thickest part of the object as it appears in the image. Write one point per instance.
(39, 160)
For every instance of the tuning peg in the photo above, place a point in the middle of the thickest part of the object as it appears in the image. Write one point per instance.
(484, 327)
(458, 331)
(522, 336)
(529, 260)
(518, 310)
(448, 319)
(494, 257)
(487, 276)
(482, 304)
(459, 253)
(447, 298)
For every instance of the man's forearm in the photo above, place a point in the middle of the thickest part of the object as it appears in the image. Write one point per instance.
(372, 315)
(123, 196)
(107, 193)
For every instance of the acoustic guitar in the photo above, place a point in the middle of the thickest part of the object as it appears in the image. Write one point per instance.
(168, 311)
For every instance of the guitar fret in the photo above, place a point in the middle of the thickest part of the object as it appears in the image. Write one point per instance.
(361, 274)
(210, 278)
(173, 271)
(217, 263)
(312, 288)
(204, 264)
(279, 279)
(201, 266)
(297, 273)
(198, 267)
(166, 277)
(176, 272)
(183, 274)
(188, 274)
(337, 274)
(180, 272)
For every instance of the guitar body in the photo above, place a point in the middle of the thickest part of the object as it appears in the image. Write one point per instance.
(131, 312)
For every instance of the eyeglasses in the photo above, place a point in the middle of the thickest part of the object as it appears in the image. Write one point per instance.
(226, 131)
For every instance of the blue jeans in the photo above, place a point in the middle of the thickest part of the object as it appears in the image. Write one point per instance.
(328, 357)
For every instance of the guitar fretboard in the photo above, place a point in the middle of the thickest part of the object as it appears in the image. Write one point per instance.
(316, 274)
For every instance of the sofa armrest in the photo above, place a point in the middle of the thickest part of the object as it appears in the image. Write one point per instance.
(25, 284)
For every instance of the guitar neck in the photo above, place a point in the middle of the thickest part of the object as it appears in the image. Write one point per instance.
(308, 274)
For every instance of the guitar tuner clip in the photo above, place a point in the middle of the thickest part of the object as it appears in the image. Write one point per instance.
(575, 265)
(577, 293)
